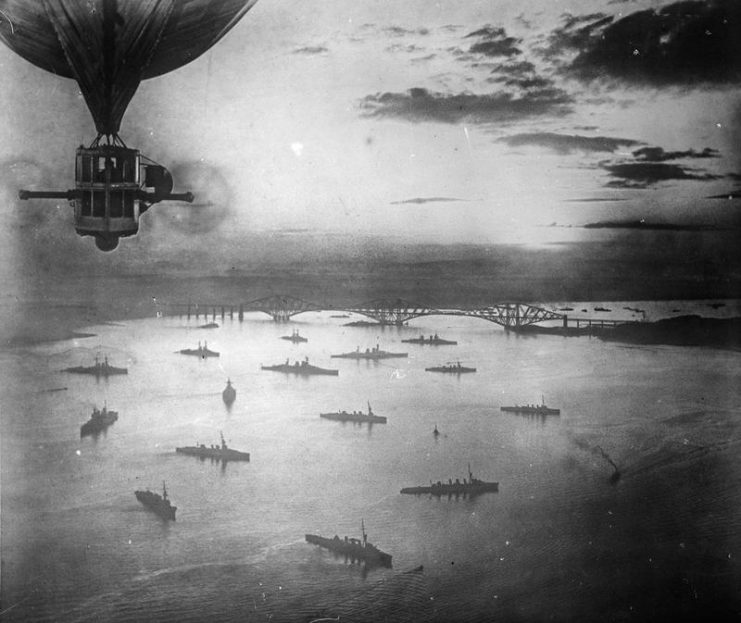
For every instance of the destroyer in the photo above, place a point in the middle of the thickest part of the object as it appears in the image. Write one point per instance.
(356, 416)
(433, 340)
(159, 504)
(294, 337)
(374, 353)
(540, 409)
(451, 368)
(99, 421)
(201, 351)
(303, 368)
(471, 487)
(229, 395)
(353, 549)
(219, 453)
(98, 369)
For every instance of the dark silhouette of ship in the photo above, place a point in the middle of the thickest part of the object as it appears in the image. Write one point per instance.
(219, 453)
(454, 367)
(471, 487)
(202, 351)
(159, 504)
(353, 549)
(303, 368)
(294, 337)
(356, 416)
(540, 409)
(98, 369)
(374, 353)
(433, 340)
(229, 395)
(99, 421)
(210, 325)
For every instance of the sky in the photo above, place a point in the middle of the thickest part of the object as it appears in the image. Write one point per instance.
(407, 122)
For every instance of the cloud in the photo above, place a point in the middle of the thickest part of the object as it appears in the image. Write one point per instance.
(684, 43)
(657, 154)
(421, 200)
(645, 174)
(567, 143)
(419, 104)
(409, 49)
(397, 31)
(576, 34)
(595, 199)
(641, 224)
(493, 41)
(311, 50)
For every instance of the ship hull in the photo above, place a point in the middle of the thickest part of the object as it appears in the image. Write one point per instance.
(371, 356)
(352, 550)
(358, 419)
(203, 354)
(532, 410)
(92, 427)
(92, 370)
(433, 342)
(443, 370)
(454, 489)
(214, 453)
(156, 504)
(301, 370)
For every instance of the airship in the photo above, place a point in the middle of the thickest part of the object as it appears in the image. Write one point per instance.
(108, 47)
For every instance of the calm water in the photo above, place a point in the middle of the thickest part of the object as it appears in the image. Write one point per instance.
(558, 542)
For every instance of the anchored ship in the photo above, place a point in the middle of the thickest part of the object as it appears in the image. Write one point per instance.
(540, 409)
(355, 416)
(304, 368)
(229, 395)
(98, 369)
(471, 487)
(451, 368)
(99, 421)
(220, 453)
(159, 504)
(294, 337)
(369, 353)
(353, 549)
(210, 325)
(433, 340)
(201, 351)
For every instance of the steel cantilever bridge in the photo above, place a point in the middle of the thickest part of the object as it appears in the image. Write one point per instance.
(385, 311)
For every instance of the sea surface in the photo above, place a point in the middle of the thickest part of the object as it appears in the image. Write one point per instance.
(560, 541)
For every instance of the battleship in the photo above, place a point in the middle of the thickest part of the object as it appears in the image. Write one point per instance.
(229, 395)
(356, 416)
(98, 369)
(99, 421)
(451, 368)
(303, 368)
(540, 409)
(219, 453)
(202, 351)
(471, 487)
(369, 353)
(353, 549)
(294, 337)
(159, 504)
(433, 340)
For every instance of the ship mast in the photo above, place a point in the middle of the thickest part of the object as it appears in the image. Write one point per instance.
(164, 491)
(362, 529)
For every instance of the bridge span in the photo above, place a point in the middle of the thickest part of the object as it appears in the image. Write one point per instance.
(394, 312)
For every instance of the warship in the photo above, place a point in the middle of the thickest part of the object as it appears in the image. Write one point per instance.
(159, 504)
(201, 351)
(356, 416)
(210, 325)
(220, 453)
(540, 409)
(99, 421)
(229, 395)
(294, 337)
(303, 368)
(451, 368)
(369, 353)
(353, 549)
(471, 487)
(98, 369)
(433, 340)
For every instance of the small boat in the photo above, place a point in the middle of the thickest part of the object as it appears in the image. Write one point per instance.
(353, 549)
(451, 368)
(540, 409)
(436, 433)
(356, 416)
(374, 353)
(159, 504)
(433, 340)
(294, 337)
(565, 309)
(202, 351)
(303, 368)
(210, 325)
(471, 487)
(98, 369)
(99, 421)
(229, 395)
(602, 309)
(219, 453)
